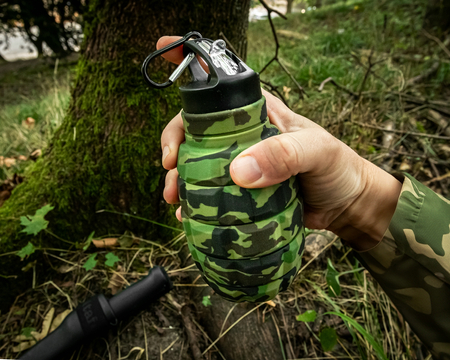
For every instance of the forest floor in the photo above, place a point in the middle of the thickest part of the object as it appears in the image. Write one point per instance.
(365, 71)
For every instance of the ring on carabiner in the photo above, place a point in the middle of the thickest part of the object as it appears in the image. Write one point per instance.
(178, 70)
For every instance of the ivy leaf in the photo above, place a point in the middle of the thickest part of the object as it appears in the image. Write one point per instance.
(206, 301)
(27, 250)
(36, 223)
(307, 316)
(91, 262)
(88, 241)
(112, 259)
(334, 287)
(27, 332)
(328, 339)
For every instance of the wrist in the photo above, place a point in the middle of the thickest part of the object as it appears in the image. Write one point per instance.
(364, 222)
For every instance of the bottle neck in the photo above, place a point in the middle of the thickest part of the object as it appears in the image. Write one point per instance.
(225, 122)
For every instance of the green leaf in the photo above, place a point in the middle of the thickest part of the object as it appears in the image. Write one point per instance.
(27, 332)
(88, 241)
(334, 287)
(112, 259)
(26, 250)
(91, 262)
(126, 240)
(348, 320)
(307, 316)
(328, 339)
(206, 301)
(36, 223)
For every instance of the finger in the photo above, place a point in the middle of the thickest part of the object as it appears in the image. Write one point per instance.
(283, 117)
(178, 214)
(278, 158)
(171, 190)
(174, 55)
(171, 138)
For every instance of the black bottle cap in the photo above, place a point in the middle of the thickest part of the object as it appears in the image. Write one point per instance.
(230, 83)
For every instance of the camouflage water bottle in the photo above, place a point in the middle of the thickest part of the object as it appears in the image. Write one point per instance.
(247, 243)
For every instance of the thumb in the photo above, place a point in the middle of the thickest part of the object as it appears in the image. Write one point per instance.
(277, 158)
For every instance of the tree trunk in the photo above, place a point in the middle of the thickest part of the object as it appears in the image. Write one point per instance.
(106, 154)
(289, 6)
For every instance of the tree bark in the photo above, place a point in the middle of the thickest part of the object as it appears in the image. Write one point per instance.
(289, 6)
(106, 154)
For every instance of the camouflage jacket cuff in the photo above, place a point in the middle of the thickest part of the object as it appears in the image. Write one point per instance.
(412, 264)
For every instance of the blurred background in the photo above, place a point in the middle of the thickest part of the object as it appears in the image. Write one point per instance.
(80, 130)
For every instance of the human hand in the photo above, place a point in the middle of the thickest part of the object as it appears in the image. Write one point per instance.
(342, 192)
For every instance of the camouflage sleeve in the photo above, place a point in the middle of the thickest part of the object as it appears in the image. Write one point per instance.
(412, 264)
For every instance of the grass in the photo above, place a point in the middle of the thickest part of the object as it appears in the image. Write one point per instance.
(335, 41)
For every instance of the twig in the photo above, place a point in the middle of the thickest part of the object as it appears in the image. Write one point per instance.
(330, 80)
(402, 131)
(274, 89)
(192, 338)
(366, 75)
(439, 178)
(277, 47)
(371, 70)
(287, 331)
(206, 335)
(439, 42)
(279, 336)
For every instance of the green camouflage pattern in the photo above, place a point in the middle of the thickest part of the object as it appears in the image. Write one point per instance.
(247, 243)
(412, 264)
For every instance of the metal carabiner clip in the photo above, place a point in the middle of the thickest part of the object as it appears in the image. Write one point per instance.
(180, 67)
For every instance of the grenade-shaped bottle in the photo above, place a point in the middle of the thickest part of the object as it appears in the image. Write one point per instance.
(247, 243)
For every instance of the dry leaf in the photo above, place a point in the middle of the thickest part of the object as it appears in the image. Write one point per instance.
(271, 303)
(116, 283)
(7, 162)
(106, 243)
(23, 346)
(59, 319)
(36, 153)
(29, 123)
(22, 158)
(404, 166)
(286, 91)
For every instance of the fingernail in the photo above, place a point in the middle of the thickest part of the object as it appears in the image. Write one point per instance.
(246, 169)
(166, 151)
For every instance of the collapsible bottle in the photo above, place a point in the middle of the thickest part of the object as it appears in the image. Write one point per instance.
(247, 243)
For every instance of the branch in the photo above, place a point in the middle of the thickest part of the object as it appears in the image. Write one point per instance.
(439, 42)
(427, 73)
(433, 136)
(330, 80)
(277, 47)
(275, 90)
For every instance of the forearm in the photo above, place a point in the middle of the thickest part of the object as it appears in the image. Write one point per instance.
(412, 264)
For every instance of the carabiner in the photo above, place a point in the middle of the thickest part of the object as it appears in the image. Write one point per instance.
(180, 67)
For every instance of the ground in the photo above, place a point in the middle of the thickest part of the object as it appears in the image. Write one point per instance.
(388, 99)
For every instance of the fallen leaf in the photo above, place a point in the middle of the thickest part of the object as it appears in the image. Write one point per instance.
(59, 319)
(46, 324)
(22, 158)
(286, 91)
(271, 303)
(106, 243)
(292, 34)
(116, 283)
(404, 166)
(35, 154)
(7, 162)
